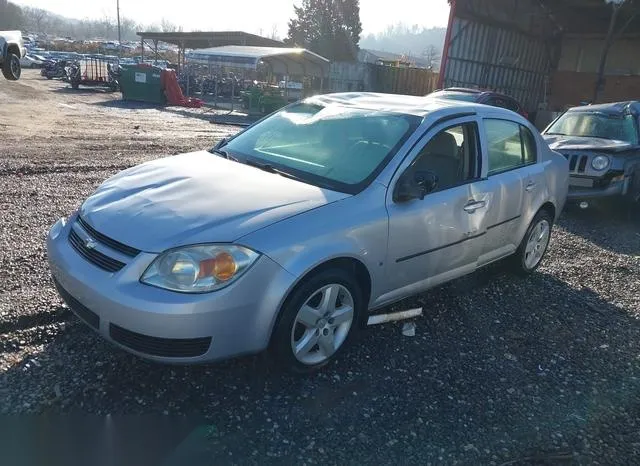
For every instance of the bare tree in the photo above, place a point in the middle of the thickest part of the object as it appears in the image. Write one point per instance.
(36, 18)
(431, 56)
(11, 16)
(274, 32)
(168, 26)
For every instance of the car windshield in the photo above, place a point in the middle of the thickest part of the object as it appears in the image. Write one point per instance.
(597, 125)
(336, 146)
(464, 96)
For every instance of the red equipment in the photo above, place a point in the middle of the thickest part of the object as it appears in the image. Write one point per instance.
(169, 82)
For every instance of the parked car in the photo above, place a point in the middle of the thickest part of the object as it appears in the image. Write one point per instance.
(602, 144)
(30, 62)
(495, 99)
(11, 51)
(289, 234)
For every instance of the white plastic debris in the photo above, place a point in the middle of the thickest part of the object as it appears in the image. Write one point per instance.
(409, 329)
(394, 316)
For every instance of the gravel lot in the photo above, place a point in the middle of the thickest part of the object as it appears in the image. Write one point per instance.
(502, 370)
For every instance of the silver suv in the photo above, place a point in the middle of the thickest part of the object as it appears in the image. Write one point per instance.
(289, 234)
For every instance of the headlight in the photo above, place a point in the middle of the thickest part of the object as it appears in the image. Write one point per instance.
(600, 162)
(199, 269)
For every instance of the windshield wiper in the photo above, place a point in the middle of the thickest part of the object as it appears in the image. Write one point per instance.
(555, 134)
(271, 169)
(224, 154)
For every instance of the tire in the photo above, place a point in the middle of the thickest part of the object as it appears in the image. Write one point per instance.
(523, 263)
(75, 84)
(322, 338)
(11, 68)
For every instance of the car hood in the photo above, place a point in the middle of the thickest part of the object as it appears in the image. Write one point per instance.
(560, 143)
(195, 198)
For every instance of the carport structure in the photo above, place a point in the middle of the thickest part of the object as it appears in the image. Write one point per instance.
(281, 61)
(548, 54)
(202, 40)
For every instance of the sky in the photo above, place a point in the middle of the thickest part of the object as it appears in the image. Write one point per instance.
(245, 15)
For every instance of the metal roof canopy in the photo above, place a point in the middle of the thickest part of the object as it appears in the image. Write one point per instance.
(287, 61)
(546, 18)
(199, 40)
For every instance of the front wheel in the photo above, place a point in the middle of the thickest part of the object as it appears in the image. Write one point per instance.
(534, 244)
(11, 68)
(317, 321)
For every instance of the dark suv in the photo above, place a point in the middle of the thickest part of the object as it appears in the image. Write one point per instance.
(602, 144)
(495, 99)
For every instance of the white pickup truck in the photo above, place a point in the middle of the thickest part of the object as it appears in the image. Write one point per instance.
(11, 51)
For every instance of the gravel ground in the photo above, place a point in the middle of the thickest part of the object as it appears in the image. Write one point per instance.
(502, 370)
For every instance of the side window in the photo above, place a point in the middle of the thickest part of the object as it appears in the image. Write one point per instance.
(510, 145)
(451, 155)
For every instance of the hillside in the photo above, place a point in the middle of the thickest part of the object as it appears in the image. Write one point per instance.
(403, 39)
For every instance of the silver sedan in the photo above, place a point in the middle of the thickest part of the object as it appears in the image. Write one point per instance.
(289, 234)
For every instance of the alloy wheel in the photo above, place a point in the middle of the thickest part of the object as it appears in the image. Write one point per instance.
(322, 324)
(537, 244)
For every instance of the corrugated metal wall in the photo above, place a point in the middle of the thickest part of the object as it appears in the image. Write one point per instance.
(503, 60)
(346, 77)
(349, 76)
(410, 81)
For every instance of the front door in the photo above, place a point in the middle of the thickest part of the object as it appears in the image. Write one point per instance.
(437, 238)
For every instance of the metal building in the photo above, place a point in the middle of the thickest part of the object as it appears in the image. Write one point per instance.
(545, 53)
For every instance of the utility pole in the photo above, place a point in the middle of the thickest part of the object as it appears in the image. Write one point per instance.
(119, 37)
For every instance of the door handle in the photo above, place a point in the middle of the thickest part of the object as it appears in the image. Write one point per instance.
(472, 206)
(530, 186)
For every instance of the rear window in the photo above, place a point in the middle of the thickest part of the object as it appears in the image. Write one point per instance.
(464, 96)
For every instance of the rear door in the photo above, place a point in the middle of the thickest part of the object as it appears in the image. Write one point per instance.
(509, 183)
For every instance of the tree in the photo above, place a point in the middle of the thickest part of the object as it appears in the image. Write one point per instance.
(274, 32)
(37, 19)
(11, 16)
(431, 56)
(168, 26)
(330, 28)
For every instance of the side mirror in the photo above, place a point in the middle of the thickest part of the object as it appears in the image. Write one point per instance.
(415, 185)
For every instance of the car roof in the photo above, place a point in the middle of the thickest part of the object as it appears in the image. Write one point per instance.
(407, 104)
(613, 107)
(465, 90)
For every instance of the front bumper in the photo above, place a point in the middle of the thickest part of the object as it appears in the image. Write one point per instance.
(162, 325)
(615, 188)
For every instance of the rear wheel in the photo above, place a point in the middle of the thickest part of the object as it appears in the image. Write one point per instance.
(318, 321)
(11, 67)
(534, 244)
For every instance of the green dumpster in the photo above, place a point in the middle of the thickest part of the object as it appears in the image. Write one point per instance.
(141, 83)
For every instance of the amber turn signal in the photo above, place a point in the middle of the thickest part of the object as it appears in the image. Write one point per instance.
(222, 267)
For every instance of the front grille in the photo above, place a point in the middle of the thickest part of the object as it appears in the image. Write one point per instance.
(112, 243)
(165, 347)
(95, 257)
(91, 318)
(577, 162)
